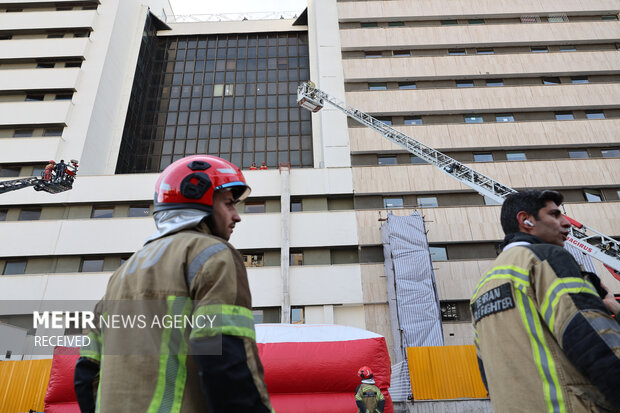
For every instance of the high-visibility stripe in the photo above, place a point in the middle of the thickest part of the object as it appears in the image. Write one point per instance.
(93, 349)
(172, 372)
(560, 287)
(519, 276)
(231, 320)
(200, 260)
(542, 356)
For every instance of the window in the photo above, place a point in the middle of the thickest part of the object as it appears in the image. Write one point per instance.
(475, 21)
(464, 83)
(53, 132)
(45, 65)
(377, 86)
(607, 153)
(73, 64)
(483, 157)
(372, 55)
(34, 97)
(551, 80)
(254, 260)
(590, 114)
(393, 202)
(416, 160)
(539, 49)
(139, 211)
(102, 212)
(14, 267)
(367, 25)
(91, 265)
(427, 201)
(568, 49)
(387, 160)
(81, 34)
(604, 17)
(38, 170)
(385, 120)
(564, 116)
(64, 96)
(229, 90)
(23, 133)
(9, 171)
(579, 79)
(485, 51)
(495, 82)
(3, 213)
(266, 315)
(296, 258)
(455, 311)
(396, 24)
(401, 53)
(296, 206)
(560, 18)
(516, 156)
(449, 22)
(407, 85)
(55, 35)
(255, 207)
(457, 52)
(578, 154)
(530, 19)
(473, 119)
(438, 253)
(218, 90)
(504, 117)
(6, 36)
(415, 120)
(30, 214)
(593, 195)
(297, 315)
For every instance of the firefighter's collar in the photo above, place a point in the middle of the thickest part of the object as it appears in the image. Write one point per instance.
(175, 220)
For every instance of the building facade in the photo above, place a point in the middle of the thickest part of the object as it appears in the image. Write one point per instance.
(525, 93)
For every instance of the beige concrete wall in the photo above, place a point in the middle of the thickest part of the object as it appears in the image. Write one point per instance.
(43, 48)
(438, 9)
(476, 224)
(488, 66)
(494, 135)
(76, 19)
(491, 99)
(484, 35)
(33, 79)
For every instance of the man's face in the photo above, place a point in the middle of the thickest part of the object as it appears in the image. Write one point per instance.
(551, 226)
(225, 214)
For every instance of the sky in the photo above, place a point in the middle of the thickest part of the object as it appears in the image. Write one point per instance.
(183, 7)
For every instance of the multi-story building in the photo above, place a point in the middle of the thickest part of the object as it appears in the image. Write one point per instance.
(525, 92)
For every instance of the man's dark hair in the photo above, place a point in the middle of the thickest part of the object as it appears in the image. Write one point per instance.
(530, 201)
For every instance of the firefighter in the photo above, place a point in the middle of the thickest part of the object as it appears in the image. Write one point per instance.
(368, 396)
(186, 269)
(49, 169)
(253, 166)
(543, 332)
(263, 166)
(60, 170)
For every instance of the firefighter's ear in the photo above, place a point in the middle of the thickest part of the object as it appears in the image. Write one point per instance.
(525, 220)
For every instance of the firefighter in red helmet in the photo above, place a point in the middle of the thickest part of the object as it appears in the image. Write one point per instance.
(368, 396)
(187, 268)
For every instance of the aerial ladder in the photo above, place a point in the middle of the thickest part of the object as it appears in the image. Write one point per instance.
(581, 237)
(54, 182)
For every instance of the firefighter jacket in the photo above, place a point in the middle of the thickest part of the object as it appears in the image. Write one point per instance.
(369, 398)
(204, 357)
(544, 339)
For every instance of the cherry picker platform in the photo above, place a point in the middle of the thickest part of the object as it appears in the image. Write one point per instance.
(53, 182)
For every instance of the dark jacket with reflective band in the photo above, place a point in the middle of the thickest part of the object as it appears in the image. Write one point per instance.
(544, 338)
(160, 376)
(369, 399)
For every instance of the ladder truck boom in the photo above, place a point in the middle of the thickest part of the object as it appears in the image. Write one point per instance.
(583, 238)
(53, 183)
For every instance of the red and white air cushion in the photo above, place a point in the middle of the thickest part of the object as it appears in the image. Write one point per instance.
(313, 368)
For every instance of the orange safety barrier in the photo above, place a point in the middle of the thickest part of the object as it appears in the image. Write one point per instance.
(23, 385)
(446, 372)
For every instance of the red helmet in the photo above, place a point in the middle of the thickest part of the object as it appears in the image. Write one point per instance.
(190, 183)
(365, 373)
